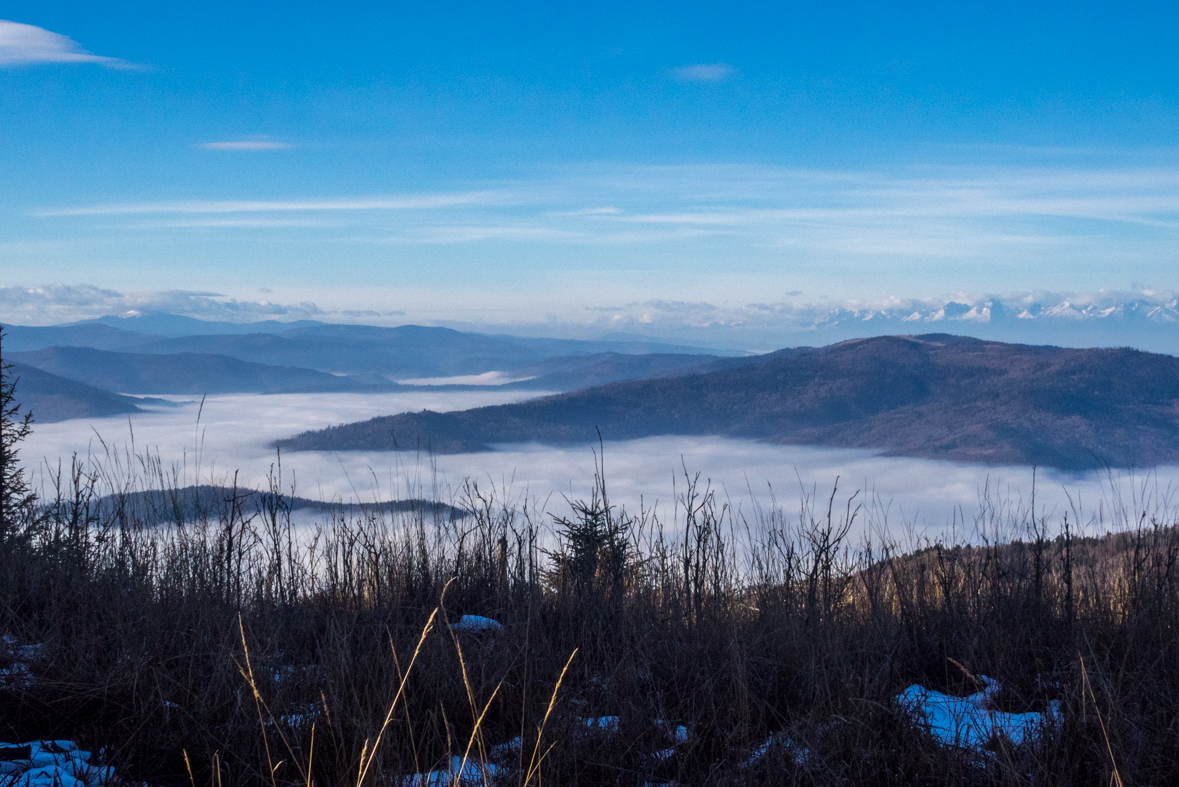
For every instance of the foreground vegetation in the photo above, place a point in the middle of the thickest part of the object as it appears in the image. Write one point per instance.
(242, 649)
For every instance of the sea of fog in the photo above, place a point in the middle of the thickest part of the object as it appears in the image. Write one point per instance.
(907, 497)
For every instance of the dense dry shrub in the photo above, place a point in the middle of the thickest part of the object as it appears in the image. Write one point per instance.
(242, 645)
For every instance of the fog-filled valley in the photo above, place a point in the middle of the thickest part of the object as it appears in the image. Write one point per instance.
(236, 432)
(221, 399)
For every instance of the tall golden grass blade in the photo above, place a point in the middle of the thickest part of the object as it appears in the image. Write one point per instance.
(534, 762)
(372, 752)
(1116, 778)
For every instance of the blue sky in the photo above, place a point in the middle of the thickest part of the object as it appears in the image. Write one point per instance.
(522, 163)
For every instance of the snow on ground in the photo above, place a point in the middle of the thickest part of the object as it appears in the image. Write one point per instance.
(971, 722)
(57, 763)
(477, 624)
(457, 773)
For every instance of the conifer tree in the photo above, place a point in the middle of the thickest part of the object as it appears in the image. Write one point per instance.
(16, 497)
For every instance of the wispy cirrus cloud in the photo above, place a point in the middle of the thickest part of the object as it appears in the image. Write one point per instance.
(22, 44)
(245, 145)
(782, 220)
(704, 72)
(240, 222)
(411, 202)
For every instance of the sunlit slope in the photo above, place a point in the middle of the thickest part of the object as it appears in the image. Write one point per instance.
(935, 396)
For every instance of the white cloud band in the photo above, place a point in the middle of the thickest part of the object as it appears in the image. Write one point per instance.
(705, 72)
(245, 145)
(58, 303)
(22, 44)
(411, 202)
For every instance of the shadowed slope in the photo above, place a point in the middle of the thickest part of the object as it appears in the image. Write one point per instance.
(187, 373)
(407, 351)
(52, 398)
(935, 396)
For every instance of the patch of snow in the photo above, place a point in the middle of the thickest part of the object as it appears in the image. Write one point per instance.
(59, 763)
(678, 734)
(20, 652)
(19, 672)
(283, 672)
(505, 750)
(472, 773)
(299, 720)
(801, 755)
(1065, 310)
(971, 722)
(477, 624)
(603, 723)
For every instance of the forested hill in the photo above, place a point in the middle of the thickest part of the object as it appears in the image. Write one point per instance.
(935, 396)
(51, 398)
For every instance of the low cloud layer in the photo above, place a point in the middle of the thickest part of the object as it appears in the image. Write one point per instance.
(22, 44)
(1144, 318)
(58, 303)
(906, 498)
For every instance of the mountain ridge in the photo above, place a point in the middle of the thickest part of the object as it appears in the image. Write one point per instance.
(935, 395)
(51, 398)
(186, 373)
(407, 351)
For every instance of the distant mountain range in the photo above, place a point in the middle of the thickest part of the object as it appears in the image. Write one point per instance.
(937, 396)
(200, 373)
(163, 324)
(1145, 319)
(405, 352)
(1142, 323)
(79, 370)
(188, 373)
